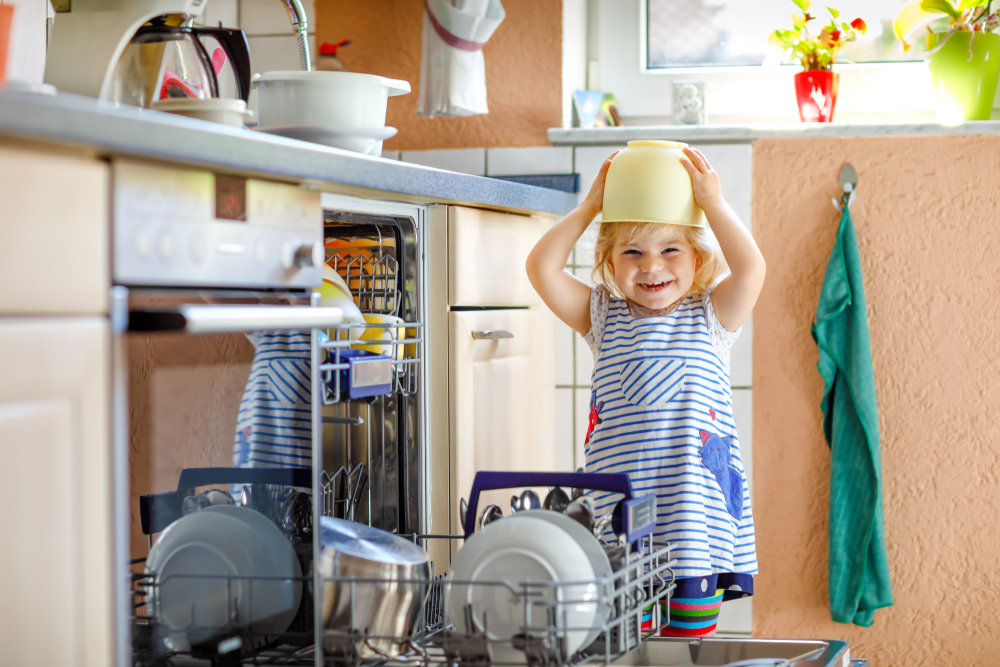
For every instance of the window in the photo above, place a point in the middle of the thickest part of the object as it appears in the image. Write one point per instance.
(727, 33)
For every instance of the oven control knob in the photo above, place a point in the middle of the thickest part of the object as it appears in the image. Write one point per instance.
(299, 254)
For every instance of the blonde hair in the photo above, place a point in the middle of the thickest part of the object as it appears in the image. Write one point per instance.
(710, 263)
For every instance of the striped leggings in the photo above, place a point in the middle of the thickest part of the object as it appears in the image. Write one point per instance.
(691, 617)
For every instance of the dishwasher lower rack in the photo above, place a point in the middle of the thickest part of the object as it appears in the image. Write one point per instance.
(631, 597)
(630, 605)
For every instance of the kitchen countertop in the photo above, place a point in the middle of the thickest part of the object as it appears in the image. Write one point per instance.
(736, 134)
(112, 130)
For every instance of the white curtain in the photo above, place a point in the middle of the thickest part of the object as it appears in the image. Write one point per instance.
(452, 67)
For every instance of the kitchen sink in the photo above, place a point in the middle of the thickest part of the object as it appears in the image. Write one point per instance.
(662, 652)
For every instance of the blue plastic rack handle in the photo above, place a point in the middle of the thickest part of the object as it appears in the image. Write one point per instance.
(640, 512)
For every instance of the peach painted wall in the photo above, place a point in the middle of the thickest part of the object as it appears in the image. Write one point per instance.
(926, 220)
(523, 70)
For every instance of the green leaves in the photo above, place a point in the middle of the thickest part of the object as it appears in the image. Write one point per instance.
(915, 14)
(804, 5)
(942, 7)
(833, 12)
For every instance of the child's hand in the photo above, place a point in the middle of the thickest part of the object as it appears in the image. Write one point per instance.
(707, 187)
(595, 198)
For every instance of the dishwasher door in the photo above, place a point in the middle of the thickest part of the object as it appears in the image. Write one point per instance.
(718, 651)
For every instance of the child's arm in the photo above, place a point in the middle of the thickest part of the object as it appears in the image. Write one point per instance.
(734, 297)
(566, 295)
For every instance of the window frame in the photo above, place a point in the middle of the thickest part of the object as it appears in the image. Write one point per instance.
(871, 92)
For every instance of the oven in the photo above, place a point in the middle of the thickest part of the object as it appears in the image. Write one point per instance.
(247, 406)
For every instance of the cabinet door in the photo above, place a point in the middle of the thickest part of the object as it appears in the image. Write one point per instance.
(486, 255)
(55, 495)
(54, 233)
(501, 399)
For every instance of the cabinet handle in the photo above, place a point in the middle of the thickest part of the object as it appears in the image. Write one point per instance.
(493, 334)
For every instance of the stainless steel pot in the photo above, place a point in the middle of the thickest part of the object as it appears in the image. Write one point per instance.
(381, 612)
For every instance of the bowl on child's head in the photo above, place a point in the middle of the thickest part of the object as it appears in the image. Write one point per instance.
(646, 182)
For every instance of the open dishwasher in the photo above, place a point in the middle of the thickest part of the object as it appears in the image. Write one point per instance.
(218, 321)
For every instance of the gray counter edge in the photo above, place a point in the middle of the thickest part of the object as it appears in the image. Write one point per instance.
(128, 131)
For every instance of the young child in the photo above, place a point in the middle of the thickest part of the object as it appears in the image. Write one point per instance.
(661, 323)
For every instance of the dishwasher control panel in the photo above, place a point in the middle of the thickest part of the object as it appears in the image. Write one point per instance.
(177, 227)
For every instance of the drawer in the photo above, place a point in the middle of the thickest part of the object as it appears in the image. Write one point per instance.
(54, 233)
(486, 255)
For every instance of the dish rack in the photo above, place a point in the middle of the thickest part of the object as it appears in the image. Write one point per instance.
(633, 596)
(371, 271)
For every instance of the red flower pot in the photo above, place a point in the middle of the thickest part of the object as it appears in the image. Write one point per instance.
(816, 91)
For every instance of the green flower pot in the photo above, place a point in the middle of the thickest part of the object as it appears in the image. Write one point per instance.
(964, 87)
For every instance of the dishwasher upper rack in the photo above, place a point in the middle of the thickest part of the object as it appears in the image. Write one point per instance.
(372, 275)
(404, 348)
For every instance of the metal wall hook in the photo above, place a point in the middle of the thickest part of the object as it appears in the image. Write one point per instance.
(849, 184)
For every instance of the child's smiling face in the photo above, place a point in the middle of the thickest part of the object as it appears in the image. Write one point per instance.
(655, 271)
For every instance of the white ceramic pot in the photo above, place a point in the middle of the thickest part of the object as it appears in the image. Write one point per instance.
(647, 183)
(345, 99)
(214, 109)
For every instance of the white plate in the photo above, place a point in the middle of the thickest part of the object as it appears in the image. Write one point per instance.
(598, 556)
(518, 549)
(357, 139)
(217, 544)
(286, 562)
(215, 109)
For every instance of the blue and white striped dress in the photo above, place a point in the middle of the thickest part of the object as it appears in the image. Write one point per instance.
(274, 426)
(661, 411)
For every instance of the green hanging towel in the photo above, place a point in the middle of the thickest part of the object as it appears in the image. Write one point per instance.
(859, 567)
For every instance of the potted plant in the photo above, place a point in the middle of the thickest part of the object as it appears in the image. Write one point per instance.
(816, 85)
(964, 58)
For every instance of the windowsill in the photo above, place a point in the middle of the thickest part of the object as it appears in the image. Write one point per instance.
(616, 136)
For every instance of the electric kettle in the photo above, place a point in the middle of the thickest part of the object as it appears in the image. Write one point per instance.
(163, 61)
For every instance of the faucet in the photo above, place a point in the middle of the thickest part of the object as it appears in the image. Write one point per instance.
(297, 15)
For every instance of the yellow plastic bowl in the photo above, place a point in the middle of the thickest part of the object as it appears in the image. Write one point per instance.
(647, 183)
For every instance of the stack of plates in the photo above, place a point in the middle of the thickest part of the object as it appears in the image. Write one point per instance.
(367, 140)
(205, 566)
(537, 546)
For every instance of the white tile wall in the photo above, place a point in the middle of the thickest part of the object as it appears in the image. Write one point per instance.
(268, 54)
(741, 357)
(225, 12)
(529, 161)
(743, 418)
(565, 339)
(733, 162)
(588, 161)
(462, 160)
(268, 17)
(736, 618)
(564, 429)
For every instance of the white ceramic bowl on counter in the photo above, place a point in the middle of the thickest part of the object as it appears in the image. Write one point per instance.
(342, 99)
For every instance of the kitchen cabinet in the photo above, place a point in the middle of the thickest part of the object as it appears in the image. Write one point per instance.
(56, 564)
(54, 236)
(492, 399)
(502, 395)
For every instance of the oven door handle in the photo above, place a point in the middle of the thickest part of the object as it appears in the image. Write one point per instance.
(198, 319)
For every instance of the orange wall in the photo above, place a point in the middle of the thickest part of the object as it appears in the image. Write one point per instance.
(926, 220)
(523, 70)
